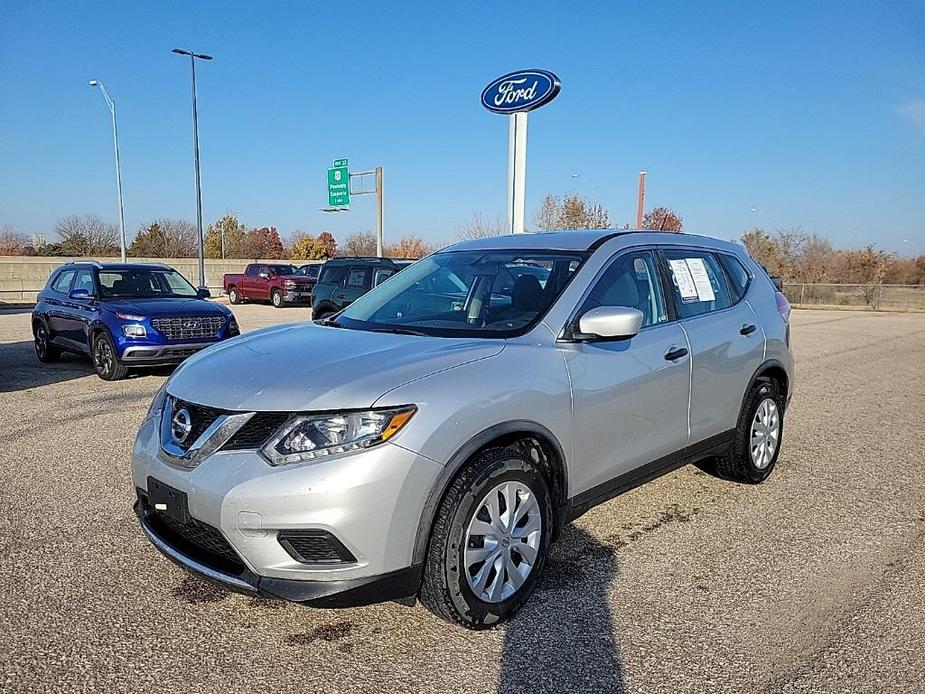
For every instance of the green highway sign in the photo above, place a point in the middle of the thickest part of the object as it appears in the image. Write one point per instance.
(338, 184)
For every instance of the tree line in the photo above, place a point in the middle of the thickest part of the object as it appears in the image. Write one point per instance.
(88, 235)
(790, 254)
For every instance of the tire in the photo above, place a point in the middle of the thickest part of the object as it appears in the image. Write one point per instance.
(451, 578)
(321, 314)
(107, 365)
(233, 296)
(44, 350)
(761, 418)
(276, 298)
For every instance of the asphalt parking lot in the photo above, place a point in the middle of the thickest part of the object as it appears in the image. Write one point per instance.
(809, 582)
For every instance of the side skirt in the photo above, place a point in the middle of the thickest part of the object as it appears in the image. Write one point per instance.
(708, 448)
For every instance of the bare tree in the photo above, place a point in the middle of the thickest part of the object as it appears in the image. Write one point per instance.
(361, 243)
(547, 216)
(13, 243)
(87, 235)
(478, 228)
(572, 212)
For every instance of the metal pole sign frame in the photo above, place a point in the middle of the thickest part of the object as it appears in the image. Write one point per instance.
(515, 94)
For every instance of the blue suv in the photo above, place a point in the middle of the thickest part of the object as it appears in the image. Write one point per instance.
(125, 315)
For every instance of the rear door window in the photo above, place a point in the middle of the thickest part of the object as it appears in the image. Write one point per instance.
(698, 283)
(356, 278)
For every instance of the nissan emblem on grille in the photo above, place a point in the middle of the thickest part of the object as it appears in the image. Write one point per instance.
(181, 425)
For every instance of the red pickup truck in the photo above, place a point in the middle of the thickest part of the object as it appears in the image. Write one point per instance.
(277, 283)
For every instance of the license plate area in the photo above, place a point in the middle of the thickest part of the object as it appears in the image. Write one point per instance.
(162, 498)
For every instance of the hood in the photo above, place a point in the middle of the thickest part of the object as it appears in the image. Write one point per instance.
(307, 367)
(153, 308)
(296, 278)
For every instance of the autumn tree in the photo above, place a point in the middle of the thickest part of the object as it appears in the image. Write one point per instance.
(662, 219)
(265, 243)
(87, 235)
(165, 238)
(570, 212)
(409, 247)
(235, 238)
(361, 243)
(12, 242)
(307, 247)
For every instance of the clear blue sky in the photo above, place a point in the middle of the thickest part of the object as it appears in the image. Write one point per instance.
(813, 115)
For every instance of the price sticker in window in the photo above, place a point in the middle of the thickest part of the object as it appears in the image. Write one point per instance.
(682, 278)
(701, 279)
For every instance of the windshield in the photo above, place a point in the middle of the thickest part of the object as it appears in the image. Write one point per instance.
(143, 284)
(466, 293)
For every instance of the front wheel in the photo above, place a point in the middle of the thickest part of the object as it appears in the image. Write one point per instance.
(277, 298)
(489, 541)
(107, 365)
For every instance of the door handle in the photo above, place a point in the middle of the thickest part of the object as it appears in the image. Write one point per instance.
(748, 329)
(675, 353)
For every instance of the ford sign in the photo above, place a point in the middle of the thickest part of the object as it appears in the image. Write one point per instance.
(524, 90)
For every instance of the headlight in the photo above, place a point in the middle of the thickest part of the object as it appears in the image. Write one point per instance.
(310, 437)
(157, 405)
(134, 330)
(289, 283)
(233, 328)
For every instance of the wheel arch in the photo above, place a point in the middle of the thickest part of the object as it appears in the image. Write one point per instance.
(545, 449)
(774, 370)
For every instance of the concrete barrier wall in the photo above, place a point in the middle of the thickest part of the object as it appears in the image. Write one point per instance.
(21, 278)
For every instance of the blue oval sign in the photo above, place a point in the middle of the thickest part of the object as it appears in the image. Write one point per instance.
(523, 90)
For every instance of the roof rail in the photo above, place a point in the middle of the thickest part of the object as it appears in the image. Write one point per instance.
(94, 263)
(364, 257)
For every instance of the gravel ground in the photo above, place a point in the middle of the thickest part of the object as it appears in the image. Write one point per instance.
(809, 582)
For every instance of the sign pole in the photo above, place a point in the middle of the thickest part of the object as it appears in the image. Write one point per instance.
(511, 137)
(379, 196)
(518, 193)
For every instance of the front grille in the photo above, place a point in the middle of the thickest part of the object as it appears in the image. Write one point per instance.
(201, 417)
(256, 431)
(300, 287)
(195, 539)
(314, 547)
(188, 327)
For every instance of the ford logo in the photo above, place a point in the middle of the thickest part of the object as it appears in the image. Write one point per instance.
(524, 90)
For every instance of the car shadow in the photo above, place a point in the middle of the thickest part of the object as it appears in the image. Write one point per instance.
(21, 369)
(563, 638)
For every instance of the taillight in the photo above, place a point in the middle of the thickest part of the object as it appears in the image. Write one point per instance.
(783, 306)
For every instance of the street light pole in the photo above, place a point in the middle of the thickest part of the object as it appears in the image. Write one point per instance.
(192, 61)
(115, 138)
(641, 200)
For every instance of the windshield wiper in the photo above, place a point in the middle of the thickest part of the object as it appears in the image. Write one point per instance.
(330, 323)
(397, 331)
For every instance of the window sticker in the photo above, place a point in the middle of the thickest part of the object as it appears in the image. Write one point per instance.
(701, 279)
(682, 278)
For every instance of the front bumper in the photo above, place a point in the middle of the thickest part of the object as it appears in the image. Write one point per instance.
(370, 501)
(296, 297)
(396, 585)
(142, 355)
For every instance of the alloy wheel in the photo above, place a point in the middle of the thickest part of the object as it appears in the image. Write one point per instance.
(41, 340)
(503, 541)
(765, 433)
(102, 356)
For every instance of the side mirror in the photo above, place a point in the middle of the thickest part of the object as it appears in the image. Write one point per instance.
(610, 323)
(264, 275)
(203, 293)
(80, 294)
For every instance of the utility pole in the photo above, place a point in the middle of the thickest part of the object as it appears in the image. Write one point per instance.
(641, 201)
(192, 61)
(115, 138)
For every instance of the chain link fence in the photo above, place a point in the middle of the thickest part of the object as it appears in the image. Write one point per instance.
(872, 297)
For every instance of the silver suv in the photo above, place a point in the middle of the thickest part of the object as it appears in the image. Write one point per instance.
(431, 440)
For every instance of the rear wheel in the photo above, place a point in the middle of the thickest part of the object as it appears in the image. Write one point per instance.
(233, 295)
(489, 540)
(107, 365)
(44, 350)
(277, 298)
(758, 436)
